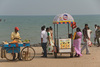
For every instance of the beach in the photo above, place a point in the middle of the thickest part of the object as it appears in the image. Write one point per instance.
(49, 33)
(92, 60)
(29, 28)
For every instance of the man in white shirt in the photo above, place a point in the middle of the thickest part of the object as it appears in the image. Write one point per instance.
(89, 32)
(44, 40)
(89, 35)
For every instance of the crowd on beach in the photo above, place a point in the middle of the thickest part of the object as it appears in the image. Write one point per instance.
(47, 39)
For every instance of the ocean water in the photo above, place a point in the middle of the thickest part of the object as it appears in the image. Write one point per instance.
(30, 26)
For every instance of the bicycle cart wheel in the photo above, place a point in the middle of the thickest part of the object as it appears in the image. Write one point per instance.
(9, 54)
(27, 53)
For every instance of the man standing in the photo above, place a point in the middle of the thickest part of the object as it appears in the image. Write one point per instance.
(85, 39)
(44, 40)
(98, 35)
(16, 36)
(95, 34)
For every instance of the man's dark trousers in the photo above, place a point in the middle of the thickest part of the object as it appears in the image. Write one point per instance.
(44, 49)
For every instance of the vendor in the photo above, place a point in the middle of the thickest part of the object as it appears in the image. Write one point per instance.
(15, 35)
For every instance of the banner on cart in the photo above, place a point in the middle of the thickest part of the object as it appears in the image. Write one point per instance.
(64, 43)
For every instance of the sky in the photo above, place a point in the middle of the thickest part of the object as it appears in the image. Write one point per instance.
(49, 7)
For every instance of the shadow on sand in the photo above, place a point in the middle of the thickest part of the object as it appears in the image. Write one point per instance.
(38, 56)
(51, 56)
(4, 60)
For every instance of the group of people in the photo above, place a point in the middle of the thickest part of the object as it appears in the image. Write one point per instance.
(78, 38)
(86, 38)
(47, 41)
(97, 35)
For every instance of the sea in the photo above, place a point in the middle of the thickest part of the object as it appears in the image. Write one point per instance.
(30, 26)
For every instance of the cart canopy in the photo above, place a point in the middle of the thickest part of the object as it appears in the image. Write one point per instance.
(63, 19)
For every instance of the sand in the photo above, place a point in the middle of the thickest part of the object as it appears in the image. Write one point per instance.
(92, 60)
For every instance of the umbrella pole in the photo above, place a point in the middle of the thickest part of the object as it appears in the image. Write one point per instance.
(72, 34)
(68, 30)
(54, 36)
(72, 49)
(55, 44)
(57, 34)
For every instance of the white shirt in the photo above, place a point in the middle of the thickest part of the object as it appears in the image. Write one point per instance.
(44, 36)
(95, 33)
(89, 33)
(95, 28)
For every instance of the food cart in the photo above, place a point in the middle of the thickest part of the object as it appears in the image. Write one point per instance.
(8, 50)
(63, 45)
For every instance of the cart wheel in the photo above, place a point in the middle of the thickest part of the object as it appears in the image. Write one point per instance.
(27, 53)
(55, 54)
(9, 56)
(2, 53)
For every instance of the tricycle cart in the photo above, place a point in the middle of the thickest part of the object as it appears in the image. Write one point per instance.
(63, 45)
(8, 50)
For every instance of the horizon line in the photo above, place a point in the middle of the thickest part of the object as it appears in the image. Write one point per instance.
(47, 15)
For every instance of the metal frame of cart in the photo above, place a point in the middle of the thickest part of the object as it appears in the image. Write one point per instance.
(63, 19)
(8, 50)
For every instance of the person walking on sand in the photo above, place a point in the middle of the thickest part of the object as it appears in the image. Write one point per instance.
(77, 42)
(89, 35)
(44, 41)
(95, 34)
(85, 38)
(98, 35)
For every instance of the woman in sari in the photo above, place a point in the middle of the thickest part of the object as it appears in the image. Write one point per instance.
(50, 43)
(77, 42)
(51, 34)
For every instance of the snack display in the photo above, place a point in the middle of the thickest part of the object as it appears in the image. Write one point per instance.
(5, 42)
(14, 41)
(26, 41)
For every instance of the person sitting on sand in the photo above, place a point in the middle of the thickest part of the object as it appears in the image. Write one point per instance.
(16, 36)
(77, 42)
